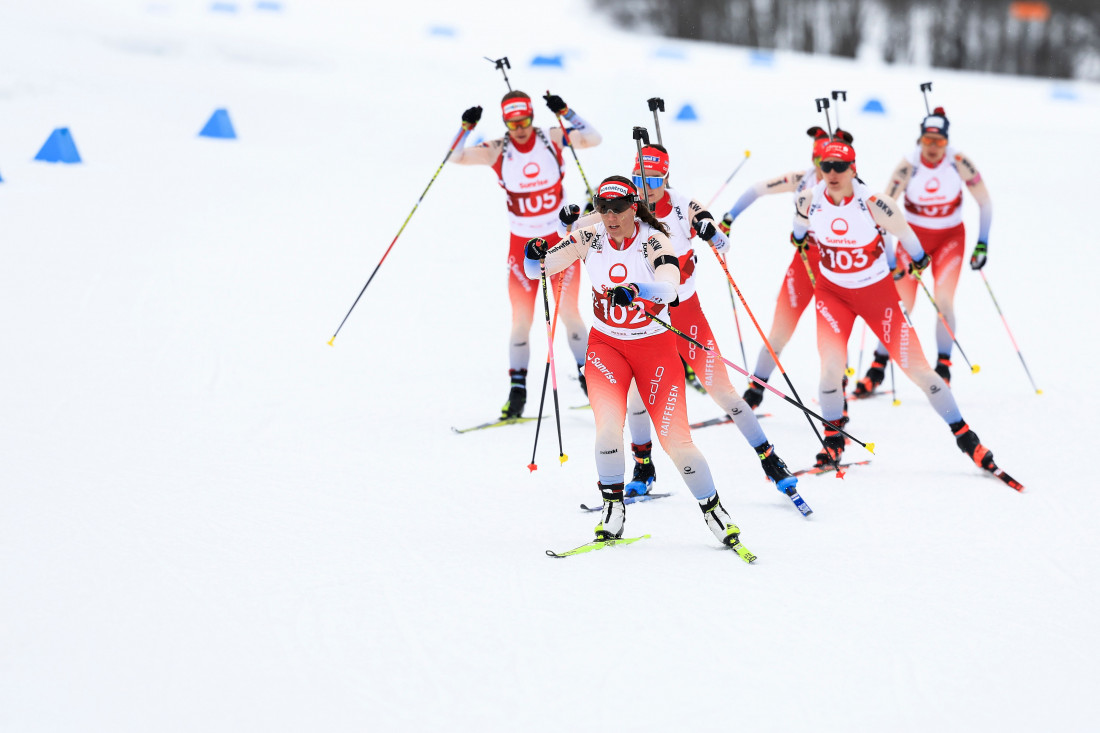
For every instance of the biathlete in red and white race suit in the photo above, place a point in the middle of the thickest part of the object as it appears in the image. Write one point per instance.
(529, 167)
(855, 281)
(932, 179)
(685, 218)
(632, 267)
(797, 289)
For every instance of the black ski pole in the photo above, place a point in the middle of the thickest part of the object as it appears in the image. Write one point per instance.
(823, 106)
(656, 103)
(502, 64)
(841, 96)
(926, 87)
(640, 134)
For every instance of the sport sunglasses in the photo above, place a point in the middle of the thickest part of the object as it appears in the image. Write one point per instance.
(616, 205)
(651, 181)
(939, 142)
(521, 123)
(838, 165)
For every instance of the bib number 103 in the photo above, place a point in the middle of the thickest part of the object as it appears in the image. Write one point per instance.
(841, 260)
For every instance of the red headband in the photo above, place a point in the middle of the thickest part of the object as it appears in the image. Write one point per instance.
(839, 150)
(819, 147)
(654, 160)
(517, 108)
(615, 190)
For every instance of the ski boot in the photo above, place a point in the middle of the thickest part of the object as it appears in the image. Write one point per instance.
(517, 396)
(874, 377)
(614, 513)
(775, 469)
(943, 367)
(580, 377)
(754, 395)
(834, 446)
(719, 521)
(644, 473)
(971, 445)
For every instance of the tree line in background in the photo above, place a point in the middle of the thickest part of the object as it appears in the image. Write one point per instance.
(1055, 38)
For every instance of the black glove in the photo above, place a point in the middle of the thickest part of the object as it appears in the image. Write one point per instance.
(569, 214)
(623, 294)
(800, 243)
(704, 225)
(536, 248)
(589, 207)
(977, 259)
(916, 267)
(555, 103)
(471, 117)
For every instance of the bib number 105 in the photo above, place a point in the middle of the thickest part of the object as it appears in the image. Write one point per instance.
(535, 204)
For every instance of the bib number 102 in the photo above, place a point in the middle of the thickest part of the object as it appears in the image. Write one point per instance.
(616, 314)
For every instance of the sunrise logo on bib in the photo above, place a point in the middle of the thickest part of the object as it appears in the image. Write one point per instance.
(933, 185)
(531, 170)
(839, 227)
(617, 273)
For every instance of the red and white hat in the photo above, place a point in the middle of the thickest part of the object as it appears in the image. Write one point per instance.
(615, 190)
(840, 150)
(654, 159)
(517, 108)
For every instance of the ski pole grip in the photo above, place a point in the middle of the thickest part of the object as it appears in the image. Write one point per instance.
(640, 133)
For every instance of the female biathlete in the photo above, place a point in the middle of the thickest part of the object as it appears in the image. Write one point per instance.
(632, 267)
(685, 218)
(855, 281)
(529, 167)
(797, 289)
(932, 179)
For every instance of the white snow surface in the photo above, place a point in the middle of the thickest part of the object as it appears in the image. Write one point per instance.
(214, 521)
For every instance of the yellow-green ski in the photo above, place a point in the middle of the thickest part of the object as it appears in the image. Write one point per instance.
(596, 545)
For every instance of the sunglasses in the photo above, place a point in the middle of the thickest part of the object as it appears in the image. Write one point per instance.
(651, 181)
(520, 124)
(838, 166)
(617, 205)
(939, 142)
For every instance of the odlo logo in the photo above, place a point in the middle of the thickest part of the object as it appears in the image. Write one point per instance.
(933, 185)
(839, 227)
(617, 273)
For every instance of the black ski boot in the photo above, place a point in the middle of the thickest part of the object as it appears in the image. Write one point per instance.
(971, 445)
(874, 377)
(834, 446)
(644, 473)
(754, 395)
(774, 468)
(517, 395)
(691, 379)
(943, 367)
(583, 381)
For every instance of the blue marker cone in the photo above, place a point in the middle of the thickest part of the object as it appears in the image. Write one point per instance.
(59, 148)
(687, 113)
(219, 126)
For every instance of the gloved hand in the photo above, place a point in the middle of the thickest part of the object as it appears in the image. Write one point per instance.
(589, 208)
(704, 225)
(916, 267)
(898, 272)
(724, 227)
(977, 259)
(555, 103)
(623, 294)
(536, 248)
(802, 243)
(569, 214)
(470, 117)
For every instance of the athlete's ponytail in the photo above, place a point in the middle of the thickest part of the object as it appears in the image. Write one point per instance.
(643, 208)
